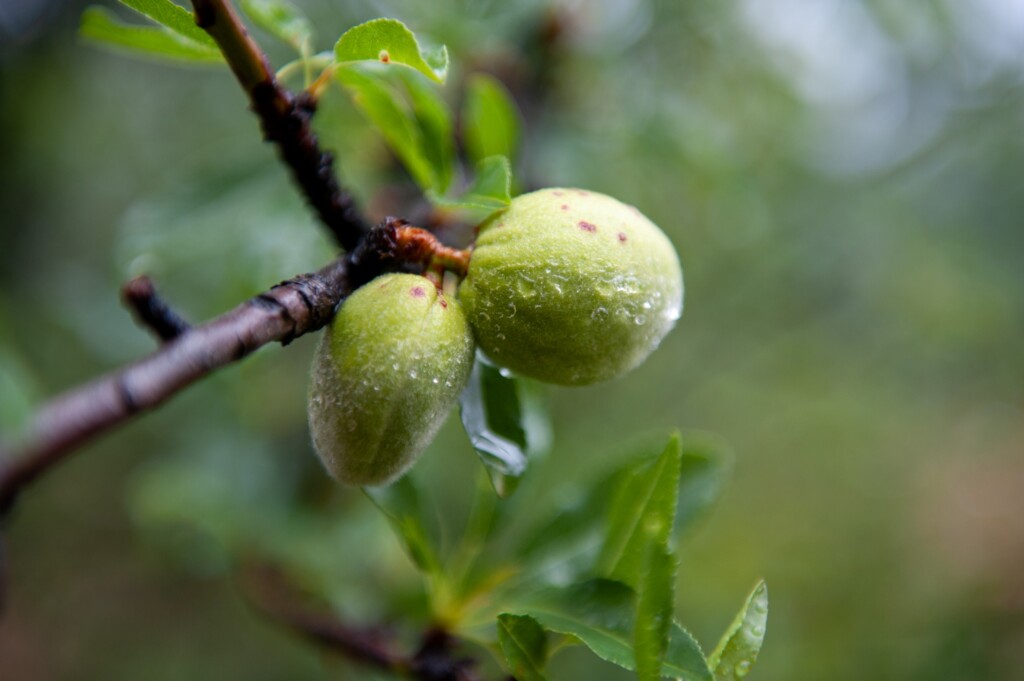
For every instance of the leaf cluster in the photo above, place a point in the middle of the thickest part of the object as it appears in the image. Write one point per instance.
(387, 73)
(590, 573)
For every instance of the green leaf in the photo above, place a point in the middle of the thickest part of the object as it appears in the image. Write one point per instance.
(387, 110)
(492, 185)
(101, 25)
(492, 415)
(643, 511)
(175, 17)
(525, 646)
(401, 504)
(283, 20)
(575, 526)
(705, 465)
(600, 613)
(490, 120)
(684, 659)
(490, 191)
(435, 124)
(738, 648)
(390, 41)
(654, 609)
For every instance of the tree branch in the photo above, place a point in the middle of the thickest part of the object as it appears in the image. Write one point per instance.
(151, 311)
(269, 592)
(285, 119)
(288, 310)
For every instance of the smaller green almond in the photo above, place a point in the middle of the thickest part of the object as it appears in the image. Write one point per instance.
(387, 372)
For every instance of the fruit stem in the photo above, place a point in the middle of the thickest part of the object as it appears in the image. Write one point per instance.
(415, 244)
(317, 87)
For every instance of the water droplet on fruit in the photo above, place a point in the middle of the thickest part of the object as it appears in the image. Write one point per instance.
(599, 314)
(625, 284)
(525, 287)
(412, 373)
(505, 372)
(743, 668)
(639, 320)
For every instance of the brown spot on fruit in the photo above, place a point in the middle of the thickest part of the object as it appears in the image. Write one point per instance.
(565, 206)
(582, 192)
(444, 303)
(622, 237)
(587, 226)
(557, 193)
(417, 292)
(384, 56)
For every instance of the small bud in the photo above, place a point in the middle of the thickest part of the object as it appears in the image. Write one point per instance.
(385, 375)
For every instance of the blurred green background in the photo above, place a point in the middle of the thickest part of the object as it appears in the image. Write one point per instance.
(843, 180)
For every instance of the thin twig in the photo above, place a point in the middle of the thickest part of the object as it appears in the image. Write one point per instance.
(3, 576)
(285, 119)
(269, 591)
(151, 311)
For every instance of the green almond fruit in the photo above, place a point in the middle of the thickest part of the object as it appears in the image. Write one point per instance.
(387, 372)
(571, 287)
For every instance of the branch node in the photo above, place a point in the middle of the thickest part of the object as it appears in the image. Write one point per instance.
(151, 311)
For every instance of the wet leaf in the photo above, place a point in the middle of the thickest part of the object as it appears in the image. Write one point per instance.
(492, 415)
(643, 511)
(391, 42)
(738, 648)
